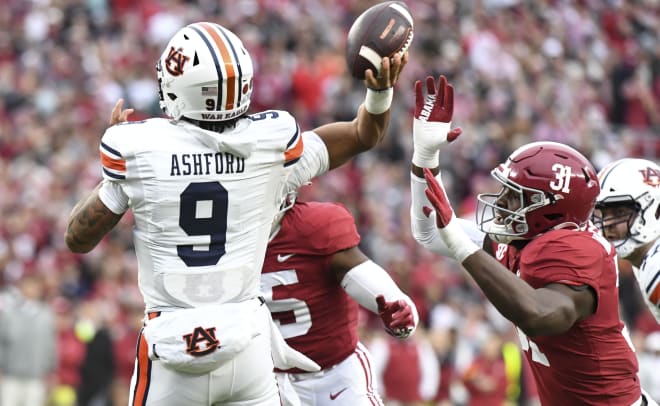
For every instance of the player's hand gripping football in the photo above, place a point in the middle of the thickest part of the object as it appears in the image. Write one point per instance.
(389, 73)
(432, 122)
(118, 115)
(398, 317)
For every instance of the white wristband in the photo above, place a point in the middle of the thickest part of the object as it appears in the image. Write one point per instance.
(423, 159)
(458, 242)
(378, 101)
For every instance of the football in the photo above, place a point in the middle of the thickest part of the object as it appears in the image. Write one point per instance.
(382, 30)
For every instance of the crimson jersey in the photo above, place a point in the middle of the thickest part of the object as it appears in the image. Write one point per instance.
(593, 363)
(312, 310)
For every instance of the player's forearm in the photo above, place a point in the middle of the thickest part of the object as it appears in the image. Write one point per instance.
(424, 229)
(368, 280)
(89, 222)
(371, 128)
(512, 297)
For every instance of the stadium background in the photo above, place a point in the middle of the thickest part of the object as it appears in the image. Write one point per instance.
(586, 73)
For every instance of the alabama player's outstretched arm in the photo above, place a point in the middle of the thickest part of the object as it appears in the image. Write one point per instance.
(90, 220)
(373, 288)
(433, 115)
(549, 310)
(344, 140)
(552, 309)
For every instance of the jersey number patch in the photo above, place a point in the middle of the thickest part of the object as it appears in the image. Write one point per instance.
(291, 314)
(203, 211)
(526, 344)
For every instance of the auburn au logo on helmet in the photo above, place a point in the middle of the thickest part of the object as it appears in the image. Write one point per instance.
(175, 61)
(651, 176)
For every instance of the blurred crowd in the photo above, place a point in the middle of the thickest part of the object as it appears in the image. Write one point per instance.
(582, 72)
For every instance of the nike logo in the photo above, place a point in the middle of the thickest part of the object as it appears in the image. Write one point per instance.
(333, 396)
(282, 258)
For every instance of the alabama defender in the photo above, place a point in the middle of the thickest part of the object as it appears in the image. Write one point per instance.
(313, 279)
(543, 265)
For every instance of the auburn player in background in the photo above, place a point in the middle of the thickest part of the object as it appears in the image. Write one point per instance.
(204, 186)
(628, 214)
(543, 265)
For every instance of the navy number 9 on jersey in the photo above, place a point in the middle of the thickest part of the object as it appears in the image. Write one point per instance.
(203, 211)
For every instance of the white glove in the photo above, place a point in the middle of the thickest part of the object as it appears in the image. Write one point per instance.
(432, 123)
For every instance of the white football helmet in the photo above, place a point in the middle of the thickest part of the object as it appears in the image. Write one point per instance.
(635, 183)
(205, 74)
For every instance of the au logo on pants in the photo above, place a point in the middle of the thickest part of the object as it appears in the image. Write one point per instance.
(197, 338)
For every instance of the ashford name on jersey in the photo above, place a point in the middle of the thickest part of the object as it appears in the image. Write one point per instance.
(206, 164)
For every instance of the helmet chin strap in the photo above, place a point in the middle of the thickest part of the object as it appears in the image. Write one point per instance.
(568, 224)
(277, 225)
(287, 203)
(501, 239)
(626, 247)
(501, 234)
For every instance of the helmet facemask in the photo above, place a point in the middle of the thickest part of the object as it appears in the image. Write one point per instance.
(631, 183)
(640, 220)
(625, 210)
(502, 224)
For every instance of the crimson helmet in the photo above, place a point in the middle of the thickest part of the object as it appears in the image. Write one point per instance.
(555, 186)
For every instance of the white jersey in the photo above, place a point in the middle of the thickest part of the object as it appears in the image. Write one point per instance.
(204, 201)
(648, 279)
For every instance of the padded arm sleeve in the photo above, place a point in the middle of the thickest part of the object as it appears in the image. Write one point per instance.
(368, 280)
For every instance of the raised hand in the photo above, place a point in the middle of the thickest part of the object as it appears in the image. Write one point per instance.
(389, 72)
(450, 231)
(398, 317)
(118, 115)
(432, 122)
(435, 192)
(438, 105)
